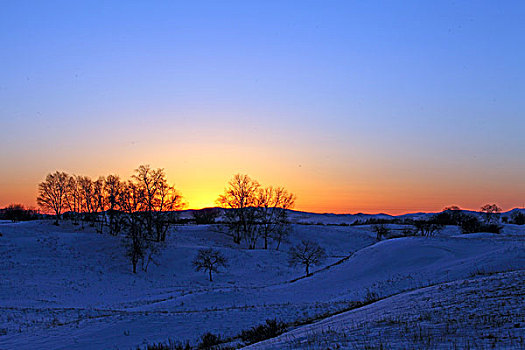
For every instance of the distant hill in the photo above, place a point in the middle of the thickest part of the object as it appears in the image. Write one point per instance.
(303, 217)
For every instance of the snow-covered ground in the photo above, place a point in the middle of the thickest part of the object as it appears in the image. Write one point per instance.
(482, 312)
(63, 287)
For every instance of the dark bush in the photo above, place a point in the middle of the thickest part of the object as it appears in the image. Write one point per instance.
(471, 224)
(205, 216)
(169, 345)
(271, 329)
(449, 217)
(371, 297)
(517, 218)
(209, 340)
(17, 212)
(491, 228)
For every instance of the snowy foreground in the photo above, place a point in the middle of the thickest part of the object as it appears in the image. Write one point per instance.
(67, 288)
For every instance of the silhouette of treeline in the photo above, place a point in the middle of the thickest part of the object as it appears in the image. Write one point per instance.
(81, 199)
(255, 212)
(488, 220)
(143, 207)
(18, 212)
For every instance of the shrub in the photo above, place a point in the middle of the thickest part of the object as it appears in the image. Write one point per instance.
(408, 232)
(17, 212)
(209, 340)
(491, 228)
(169, 345)
(518, 218)
(205, 216)
(471, 224)
(449, 217)
(371, 296)
(271, 329)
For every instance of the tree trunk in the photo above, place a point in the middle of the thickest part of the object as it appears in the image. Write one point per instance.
(210, 276)
(307, 269)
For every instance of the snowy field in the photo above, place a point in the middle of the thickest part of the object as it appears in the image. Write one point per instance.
(67, 288)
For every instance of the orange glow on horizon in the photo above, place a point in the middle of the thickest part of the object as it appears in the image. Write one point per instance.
(200, 171)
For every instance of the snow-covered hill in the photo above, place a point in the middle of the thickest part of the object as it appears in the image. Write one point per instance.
(479, 312)
(63, 287)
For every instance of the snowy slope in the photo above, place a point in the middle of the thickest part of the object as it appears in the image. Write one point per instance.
(70, 288)
(482, 312)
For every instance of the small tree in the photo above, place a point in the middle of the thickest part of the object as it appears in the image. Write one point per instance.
(427, 228)
(209, 260)
(306, 253)
(52, 193)
(381, 231)
(491, 212)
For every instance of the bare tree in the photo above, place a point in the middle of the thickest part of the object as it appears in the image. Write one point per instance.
(306, 253)
(131, 198)
(73, 199)
(113, 189)
(427, 228)
(240, 201)
(167, 204)
(491, 211)
(272, 216)
(159, 198)
(100, 202)
(52, 193)
(87, 199)
(381, 231)
(209, 260)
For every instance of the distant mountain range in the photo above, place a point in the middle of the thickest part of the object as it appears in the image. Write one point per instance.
(297, 216)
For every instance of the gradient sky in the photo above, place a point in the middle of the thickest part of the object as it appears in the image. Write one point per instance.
(356, 106)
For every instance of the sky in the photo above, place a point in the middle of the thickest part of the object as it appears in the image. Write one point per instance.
(355, 106)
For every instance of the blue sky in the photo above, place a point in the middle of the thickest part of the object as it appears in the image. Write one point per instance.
(355, 106)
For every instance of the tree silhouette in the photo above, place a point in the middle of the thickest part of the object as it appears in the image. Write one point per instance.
(209, 260)
(52, 193)
(306, 253)
(240, 200)
(491, 212)
(272, 215)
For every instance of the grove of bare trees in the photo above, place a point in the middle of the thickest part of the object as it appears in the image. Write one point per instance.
(144, 207)
(253, 212)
